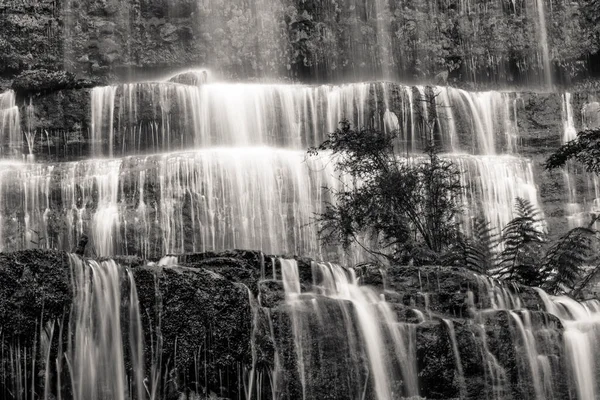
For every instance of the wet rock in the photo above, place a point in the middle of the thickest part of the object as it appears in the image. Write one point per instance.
(168, 33)
(271, 293)
(45, 81)
(34, 289)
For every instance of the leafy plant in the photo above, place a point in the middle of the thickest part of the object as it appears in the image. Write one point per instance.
(402, 209)
(477, 251)
(522, 240)
(584, 149)
(563, 262)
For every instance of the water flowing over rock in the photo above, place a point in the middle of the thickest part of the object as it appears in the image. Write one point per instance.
(247, 325)
(142, 117)
(10, 129)
(167, 133)
(582, 199)
(211, 199)
(227, 194)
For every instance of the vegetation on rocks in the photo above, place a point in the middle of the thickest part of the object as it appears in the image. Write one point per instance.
(408, 211)
(399, 209)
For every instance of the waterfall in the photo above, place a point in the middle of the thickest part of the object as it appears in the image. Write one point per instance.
(457, 360)
(167, 116)
(543, 40)
(363, 323)
(95, 356)
(10, 125)
(491, 184)
(575, 215)
(531, 351)
(578, 204)
(203, 200)
(230, 193)
(582, 330)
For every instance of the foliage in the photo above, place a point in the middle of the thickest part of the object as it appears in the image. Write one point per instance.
(584, 149)
(477, 251)
(523, 254)
(563, 261)
(522, 239)
(398, 208)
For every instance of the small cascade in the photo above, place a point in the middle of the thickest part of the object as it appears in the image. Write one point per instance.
(577, 210)
(359, 322)
(95, 353)
(581, 336)
(575, 216)
(532, 349)
(457, 360)
(543, 41)
(535, 361)
(10, 125)
(493, 182)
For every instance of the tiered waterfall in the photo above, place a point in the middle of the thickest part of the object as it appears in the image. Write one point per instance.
(199, 165)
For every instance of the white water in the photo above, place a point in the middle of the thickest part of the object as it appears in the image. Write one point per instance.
(196, 201)
(165, 116)
(95, 355)
(580, 200)
(10, 125)
(361, 309)
(581, 338)
(457, 359)
(255, 197)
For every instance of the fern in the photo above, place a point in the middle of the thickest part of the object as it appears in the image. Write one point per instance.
(481, 252)
(478, 252)
(563, 262)
(522, 238)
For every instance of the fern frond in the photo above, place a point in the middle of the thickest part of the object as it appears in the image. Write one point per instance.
(563, 262)
(478, 252)
(525, 209)
(522, 240)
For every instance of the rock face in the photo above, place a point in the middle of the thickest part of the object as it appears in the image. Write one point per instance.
(478, 42)
(219, 324)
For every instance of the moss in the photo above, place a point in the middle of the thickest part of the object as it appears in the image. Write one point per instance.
(34, 289)
(43, 81)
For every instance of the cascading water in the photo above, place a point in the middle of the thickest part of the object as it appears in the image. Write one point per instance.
(360, 322)
(203, 200)
(134, 118)
(177, 202)
(582, 330)
(543, 40)
(580, 201)
(189, 164)
(95, 355)
(206, 200)
(10, 120)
